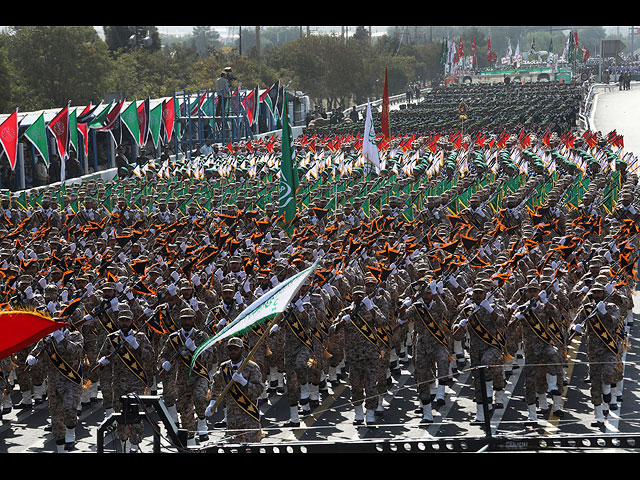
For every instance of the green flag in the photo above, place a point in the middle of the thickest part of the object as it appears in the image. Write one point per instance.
(155, 121)
(73, 130)
(37, 135)
(130, 119)
(288, 172)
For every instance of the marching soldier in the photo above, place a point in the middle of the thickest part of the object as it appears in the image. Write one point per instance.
(127, 353)
(192, 386)
(63, 352)
(244, 389)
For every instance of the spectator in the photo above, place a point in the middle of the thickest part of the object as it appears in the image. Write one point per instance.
(354, 115)
(40, 173)
(122, 162)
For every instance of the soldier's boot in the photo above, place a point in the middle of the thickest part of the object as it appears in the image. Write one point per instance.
(459, 353)
(598, 420)
(508, 368)
(222, 423)
(440, 394)
(294, 418)
(26, 401)
(557, 406)
(70, 438)
(359, 417)
(371, 417)
(394, 362)
(380, 407)
(403, 355)
(84, 398)
(314, 395)
(93, 392)
(499, 398)
(263, 399)
(203, 430)
(543, 403)
(280, 385)
(616, 391)
(532, 414)
(479, 414)
(606, 392)
(552, 384)
(60, 446)
(489, 386)
(322, 386)
(333, 377)
(341, 370)
(191, 442)
(173, 412)
(304, 398)
(7, 404)
(427, 413)
(273, 380)
(39, 392)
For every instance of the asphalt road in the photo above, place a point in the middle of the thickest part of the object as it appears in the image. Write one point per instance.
(332, 422)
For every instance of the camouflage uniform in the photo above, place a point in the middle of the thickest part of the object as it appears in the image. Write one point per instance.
(113, 355)
(63, 393)
(241, 427)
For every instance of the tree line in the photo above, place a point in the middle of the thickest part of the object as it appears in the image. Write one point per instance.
(43, 67)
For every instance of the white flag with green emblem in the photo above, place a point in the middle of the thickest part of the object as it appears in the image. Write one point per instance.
(288, 173)
(272, 303)
(369, 144)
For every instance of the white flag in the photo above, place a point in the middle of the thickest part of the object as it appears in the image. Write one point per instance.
(369, 145)
(272, 303)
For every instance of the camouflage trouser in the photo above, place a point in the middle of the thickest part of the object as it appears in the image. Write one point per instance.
(425, 358)
(603, 368)
(492, 358)
(383, 367)
(63, 397)
(336, 348)
(540, 359)
(240, 427)
(91, 350)
(132, 431)
(317, 363)
(276, 346)
(192, 402)
(297, 370)
(363, 375)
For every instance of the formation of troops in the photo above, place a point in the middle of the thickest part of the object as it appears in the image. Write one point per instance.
(449, 269)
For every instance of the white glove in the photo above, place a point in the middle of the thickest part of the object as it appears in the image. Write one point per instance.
(407, 302)
(129, 294)
(89, 288)
(274, 329)
(175, 276)
(210, 409)
(219, 274)
(602, 307)
(51, 306)
(328, 289)
(221, 323)
(42, 282)
(119, 287)
(609, 288)
(166, 365)
(519, 316)
(131, 340)
(238, 378)
(246, 286)
(578, 328)
(104, 361)
(190, 344)
(433, 286)
(172, 289)
(58, 335)
(346, 318)
(607, 256)
(299, 305)
(193, 302)
(29, 292)
(367, 303)
(159, 280)
(463, 322)
(556, 285)
(486, 305)
(584, 289)
(195, 279)
(122, 257)
(114, 304)
(454, 282)
(31, 360)
(238, 298)
(543, 296)
(64, 296)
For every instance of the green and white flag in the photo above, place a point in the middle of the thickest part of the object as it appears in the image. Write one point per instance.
(37, 135)
(155, 121)
(369, 144)
(288, 173)
(129, 118)
(272, 303)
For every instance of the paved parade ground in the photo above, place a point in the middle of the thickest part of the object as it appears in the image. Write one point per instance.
(23, 431)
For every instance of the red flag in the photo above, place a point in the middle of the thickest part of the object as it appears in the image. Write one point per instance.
(168, 116)
(82, 128)
(385, 108)
(20, 329)
(9, 138)
(59, 128)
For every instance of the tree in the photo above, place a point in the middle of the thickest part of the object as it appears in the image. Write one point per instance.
(55, 64)
(120, 38)
(205, 40)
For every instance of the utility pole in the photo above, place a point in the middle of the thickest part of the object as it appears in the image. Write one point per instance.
(240, 40)
(258, 42)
